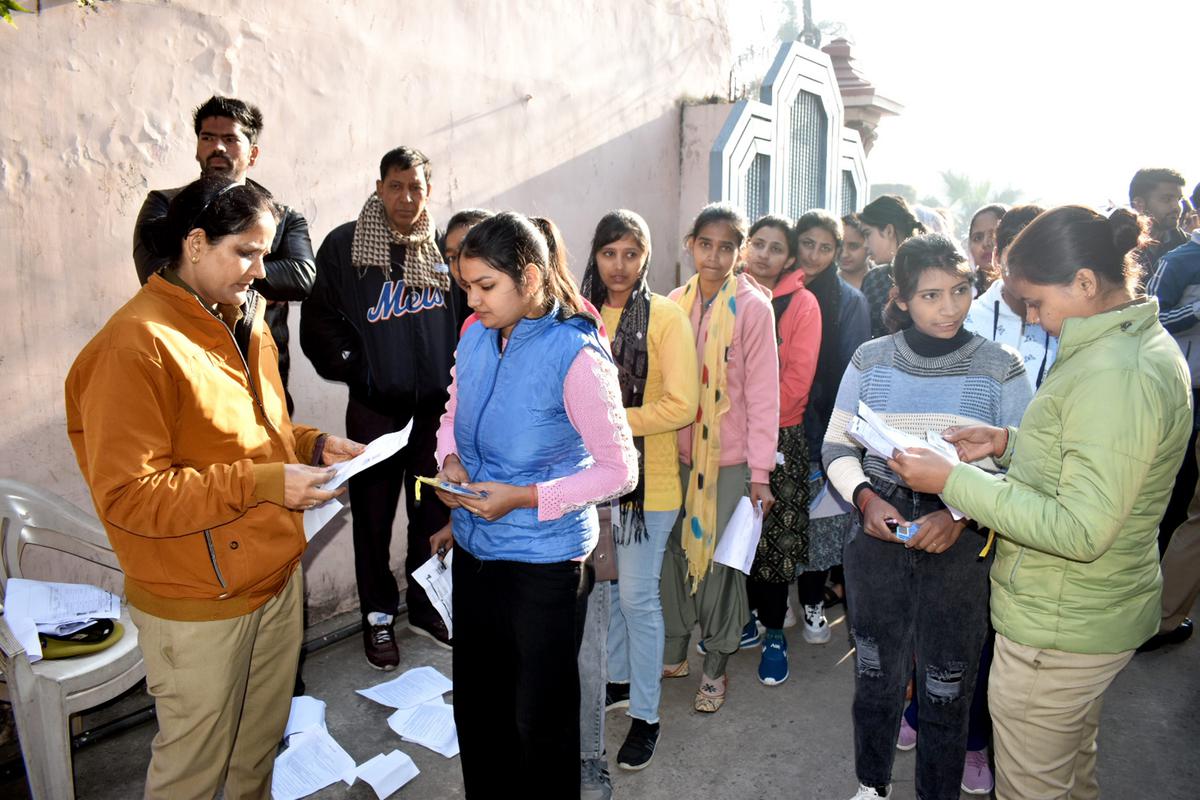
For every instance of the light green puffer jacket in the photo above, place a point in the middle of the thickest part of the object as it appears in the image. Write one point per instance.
(1090, 471)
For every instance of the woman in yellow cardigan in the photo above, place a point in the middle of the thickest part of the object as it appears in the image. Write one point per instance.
(656, 362)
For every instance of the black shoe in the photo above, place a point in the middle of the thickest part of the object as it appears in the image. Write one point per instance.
(1180, 634)
(616, 695)
(639, 745)
(432, 629)
(379, 643)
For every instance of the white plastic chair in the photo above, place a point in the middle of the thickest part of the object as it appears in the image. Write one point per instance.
(45, 695)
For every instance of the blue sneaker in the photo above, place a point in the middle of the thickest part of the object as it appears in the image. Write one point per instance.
(751, 636)
(773, 667)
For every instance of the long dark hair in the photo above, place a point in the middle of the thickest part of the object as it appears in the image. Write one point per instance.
(784, 226)
(928, 251)
(509, 241)
(719, 212)
(613, 226)
(892, 209)
(1060, 241)
(215, 205)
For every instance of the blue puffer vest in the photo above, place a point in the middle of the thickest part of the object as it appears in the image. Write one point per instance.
(511, 426)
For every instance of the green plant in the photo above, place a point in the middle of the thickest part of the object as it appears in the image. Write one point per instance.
(7, 7)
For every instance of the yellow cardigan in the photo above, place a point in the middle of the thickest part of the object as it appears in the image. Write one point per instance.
(671, 398)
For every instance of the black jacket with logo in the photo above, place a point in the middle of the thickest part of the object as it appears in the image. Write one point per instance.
(393, 346)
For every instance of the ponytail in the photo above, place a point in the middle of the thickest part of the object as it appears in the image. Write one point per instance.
(1052, 248)
(560, 284)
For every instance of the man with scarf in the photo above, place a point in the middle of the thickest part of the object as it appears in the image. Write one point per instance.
(380, 320)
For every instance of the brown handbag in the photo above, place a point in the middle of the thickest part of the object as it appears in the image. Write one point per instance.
(604, 557)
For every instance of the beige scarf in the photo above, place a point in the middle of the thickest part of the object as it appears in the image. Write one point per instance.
(424, 266)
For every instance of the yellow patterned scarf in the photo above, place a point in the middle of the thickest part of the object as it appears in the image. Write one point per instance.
(700, 526)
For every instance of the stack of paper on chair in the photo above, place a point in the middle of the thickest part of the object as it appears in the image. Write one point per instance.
(58, 609)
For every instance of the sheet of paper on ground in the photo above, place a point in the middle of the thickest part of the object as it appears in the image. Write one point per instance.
(414, 687)
(429, 725)
(312, 761)
(387, 773)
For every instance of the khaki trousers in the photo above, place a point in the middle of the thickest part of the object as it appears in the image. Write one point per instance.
(222, 692)
(1045, 707)
(1181, 568)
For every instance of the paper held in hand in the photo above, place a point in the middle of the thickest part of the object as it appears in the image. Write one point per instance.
(383, 447)
(739, 540)
(882, 440)
(435, 577)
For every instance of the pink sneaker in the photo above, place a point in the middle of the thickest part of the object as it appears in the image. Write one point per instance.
(977, 775)
(907, 739)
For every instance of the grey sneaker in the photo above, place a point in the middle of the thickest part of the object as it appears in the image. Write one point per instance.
(594, 780)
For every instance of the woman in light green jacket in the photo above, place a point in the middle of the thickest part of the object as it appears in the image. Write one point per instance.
(1075, 583)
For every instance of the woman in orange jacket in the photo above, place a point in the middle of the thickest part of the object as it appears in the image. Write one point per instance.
(177, 416)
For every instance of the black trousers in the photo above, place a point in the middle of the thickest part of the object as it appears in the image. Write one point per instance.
(933, 606)
(516, 675)
(374, 494)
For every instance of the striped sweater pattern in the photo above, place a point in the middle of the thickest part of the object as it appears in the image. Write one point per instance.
(980, 382)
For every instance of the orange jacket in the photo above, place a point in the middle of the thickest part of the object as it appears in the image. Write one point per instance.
(184, 455)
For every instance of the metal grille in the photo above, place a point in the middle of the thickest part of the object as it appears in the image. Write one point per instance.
(758, 186)
(849, 193)
(806, 184)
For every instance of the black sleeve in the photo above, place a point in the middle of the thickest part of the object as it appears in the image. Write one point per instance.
(291, 267)
(326, 335)
(144, 259)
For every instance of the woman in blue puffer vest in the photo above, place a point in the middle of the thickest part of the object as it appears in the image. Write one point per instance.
(535, 425)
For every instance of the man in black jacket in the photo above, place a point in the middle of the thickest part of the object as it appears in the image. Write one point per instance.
(227, 132)
(380, 320)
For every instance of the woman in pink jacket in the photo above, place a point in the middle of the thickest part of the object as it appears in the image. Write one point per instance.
(727, 453)
(771, 259)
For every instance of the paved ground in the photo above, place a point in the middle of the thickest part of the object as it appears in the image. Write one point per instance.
(789, 741)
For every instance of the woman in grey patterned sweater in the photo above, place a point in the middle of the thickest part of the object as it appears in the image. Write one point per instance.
(926, 597)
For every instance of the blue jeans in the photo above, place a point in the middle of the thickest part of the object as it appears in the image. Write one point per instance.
(592, 678)
(635, 629)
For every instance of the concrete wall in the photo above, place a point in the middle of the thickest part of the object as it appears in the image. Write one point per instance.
(560, 109)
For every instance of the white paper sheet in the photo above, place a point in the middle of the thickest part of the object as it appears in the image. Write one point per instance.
(307, 712)
(429, 725)
(414, 687)
(317, 518)
(384, 446)
(27, 634)
(434, 577)
(49, 603)
(882, 440)
(739, 540)
(312, 762)
(387, 773)
(379, 449)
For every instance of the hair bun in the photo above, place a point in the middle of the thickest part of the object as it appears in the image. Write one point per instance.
(1129, 231)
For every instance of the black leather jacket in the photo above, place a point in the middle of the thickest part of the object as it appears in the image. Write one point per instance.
(291, 266)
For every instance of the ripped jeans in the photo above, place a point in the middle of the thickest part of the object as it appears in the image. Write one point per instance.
(908, 604)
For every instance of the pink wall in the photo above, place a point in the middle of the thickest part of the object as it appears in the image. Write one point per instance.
(561, 109)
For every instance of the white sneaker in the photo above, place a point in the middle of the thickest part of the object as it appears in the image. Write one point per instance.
(816, 628)
(869, 793)
(789, 619)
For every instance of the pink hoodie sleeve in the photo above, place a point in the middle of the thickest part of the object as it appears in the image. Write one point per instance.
(761, 390)
(802, 340)
(445, 435)
(592, 397)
